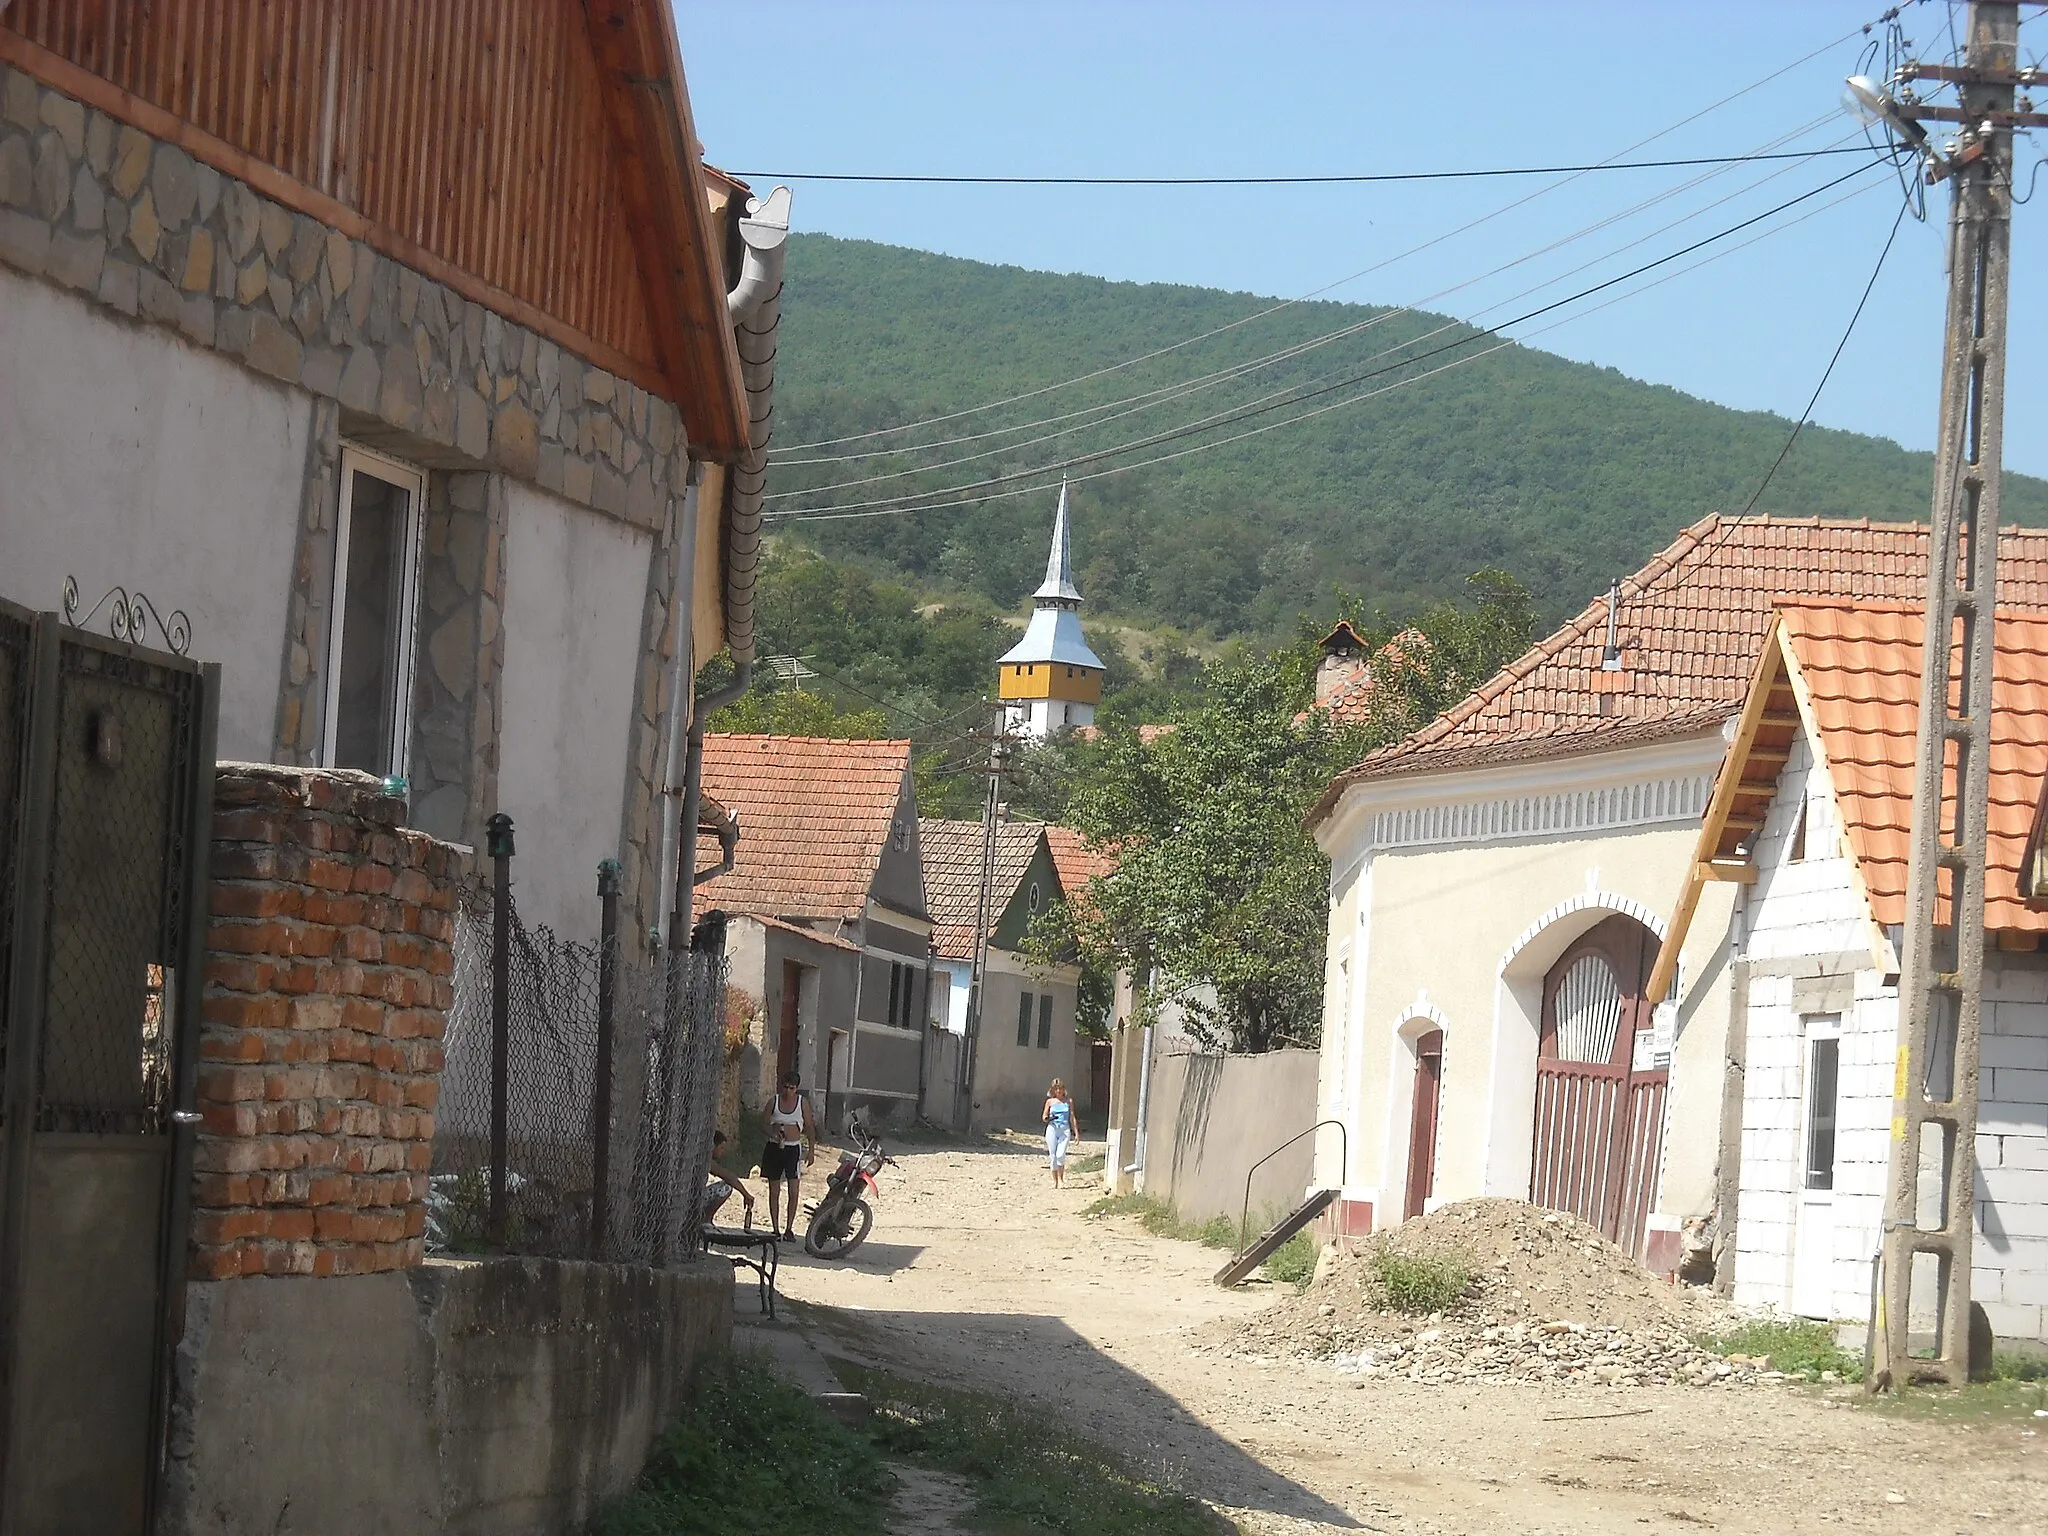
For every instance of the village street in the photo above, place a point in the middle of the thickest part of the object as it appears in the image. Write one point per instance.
(981, 1275)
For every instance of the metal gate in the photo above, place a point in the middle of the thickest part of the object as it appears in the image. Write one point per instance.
(106, 787)
(1599, 1090)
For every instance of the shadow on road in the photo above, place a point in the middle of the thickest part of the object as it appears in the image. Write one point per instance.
(875, 1258)
(1040, 1360)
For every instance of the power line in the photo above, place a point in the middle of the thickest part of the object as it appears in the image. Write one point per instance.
(898, 505)
(1343, 179)
(1097, 373)
(1167, 394)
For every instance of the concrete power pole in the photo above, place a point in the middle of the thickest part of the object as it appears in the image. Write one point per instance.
(970, 1042)
(1930, 1212)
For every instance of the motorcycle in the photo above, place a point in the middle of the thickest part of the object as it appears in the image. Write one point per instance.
(841, 1221)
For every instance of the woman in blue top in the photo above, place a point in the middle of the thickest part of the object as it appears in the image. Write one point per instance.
(1059, 1130)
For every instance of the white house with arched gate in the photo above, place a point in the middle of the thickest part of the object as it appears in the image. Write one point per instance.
(1502, 880)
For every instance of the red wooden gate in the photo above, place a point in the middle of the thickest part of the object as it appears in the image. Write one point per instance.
(1599, 1090)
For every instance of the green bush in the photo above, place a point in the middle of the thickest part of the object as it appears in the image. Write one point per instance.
(1792, 1345)
(1411, 1283)
(1293, 1262)
(753, 1456)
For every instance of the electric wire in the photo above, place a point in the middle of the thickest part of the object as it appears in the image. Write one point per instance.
(1334, 179)
(896, 505)
(1345, 332)
(1083, 378)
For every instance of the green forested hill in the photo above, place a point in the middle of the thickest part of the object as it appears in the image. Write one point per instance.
(1561, 473)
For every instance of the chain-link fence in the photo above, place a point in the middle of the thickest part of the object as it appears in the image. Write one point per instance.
(624, 1186)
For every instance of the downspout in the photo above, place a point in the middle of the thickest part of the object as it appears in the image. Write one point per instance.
(681, 622)
(755, 308)
(1137, 1165)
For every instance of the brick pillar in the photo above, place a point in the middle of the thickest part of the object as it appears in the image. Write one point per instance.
(328, 983)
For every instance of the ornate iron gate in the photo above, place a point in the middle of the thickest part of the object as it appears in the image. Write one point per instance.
(106, 787)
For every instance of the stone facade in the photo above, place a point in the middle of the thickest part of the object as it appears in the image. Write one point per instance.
(327, 990)
(105, 209)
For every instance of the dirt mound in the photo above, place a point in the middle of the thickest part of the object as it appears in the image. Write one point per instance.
(1550, 1298)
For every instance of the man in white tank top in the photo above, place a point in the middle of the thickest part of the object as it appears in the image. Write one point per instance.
(791, 1143)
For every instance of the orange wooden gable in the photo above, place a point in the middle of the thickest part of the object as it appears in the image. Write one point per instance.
(1851, 670)
(536, 155)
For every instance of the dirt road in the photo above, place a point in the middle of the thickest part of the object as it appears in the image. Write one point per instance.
(981, 1275)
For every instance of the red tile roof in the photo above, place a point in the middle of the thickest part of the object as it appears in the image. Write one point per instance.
(1689, 627)
(815, 815)
(1861, 666)
(1075, 859)
(952, 876)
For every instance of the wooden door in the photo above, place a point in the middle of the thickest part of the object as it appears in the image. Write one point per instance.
(1600, 1088)
(1422, 1118)
(786, 1038)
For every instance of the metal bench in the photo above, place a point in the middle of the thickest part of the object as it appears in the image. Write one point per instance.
(748, 1248)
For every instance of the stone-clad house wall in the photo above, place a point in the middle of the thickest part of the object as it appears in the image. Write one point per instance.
(393, 361)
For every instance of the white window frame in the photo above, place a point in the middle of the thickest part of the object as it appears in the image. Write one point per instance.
(354, 461)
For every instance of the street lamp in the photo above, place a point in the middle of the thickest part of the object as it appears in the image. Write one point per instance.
(1871, 105)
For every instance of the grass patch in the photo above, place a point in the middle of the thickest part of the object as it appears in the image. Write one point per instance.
(1293, 1262)
(1794, 1346)
(1411, 1283)
(1162, 1220)
(1094, 1162)
(753, 1456)
(1030, 1472)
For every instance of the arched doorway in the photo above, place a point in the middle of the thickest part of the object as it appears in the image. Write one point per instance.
(1422, 1121)
(1600, 1087)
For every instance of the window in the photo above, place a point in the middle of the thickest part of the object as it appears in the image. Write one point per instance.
(1800, 815)
(902, 994)
(1823, 1072)
(1024, 1019)
(1036, 898)
(1045, 1021)
(370, 644)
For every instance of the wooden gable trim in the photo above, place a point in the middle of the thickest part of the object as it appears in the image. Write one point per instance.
(1763, 681)
(2033, 878)
(681, 249)
(282, 187)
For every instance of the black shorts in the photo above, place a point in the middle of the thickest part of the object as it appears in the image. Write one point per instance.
(781, 1160)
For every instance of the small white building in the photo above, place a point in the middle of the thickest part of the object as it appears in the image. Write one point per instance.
(1501, 880)
(1050, 681)
(1814, 806)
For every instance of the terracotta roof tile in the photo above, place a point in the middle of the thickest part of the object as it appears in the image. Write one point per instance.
(815, 815)
(1689, 628)
(1861, 666)
(1076, 860)
(952, 876)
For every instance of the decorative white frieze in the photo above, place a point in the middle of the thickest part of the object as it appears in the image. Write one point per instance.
(1648, 802)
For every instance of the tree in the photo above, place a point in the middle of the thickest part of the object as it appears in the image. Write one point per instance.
(787, 712)
(1218, 882)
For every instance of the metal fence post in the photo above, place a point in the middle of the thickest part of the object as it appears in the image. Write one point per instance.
(601, 1089)
(498, 833)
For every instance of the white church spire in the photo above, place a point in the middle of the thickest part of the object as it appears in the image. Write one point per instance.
(1059, 565)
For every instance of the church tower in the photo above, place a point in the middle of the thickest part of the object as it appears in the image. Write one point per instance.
(1050, 681)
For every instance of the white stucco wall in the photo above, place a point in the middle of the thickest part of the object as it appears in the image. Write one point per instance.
(1812, 909)
(1458, 935)
(575, 583)
(128, 458)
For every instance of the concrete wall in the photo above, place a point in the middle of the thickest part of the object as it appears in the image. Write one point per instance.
(1010, 1080)
(1812, 974)
(1456, 930)
(131, 458)
(574, 587)
(499, 1398)
(1210, 1117)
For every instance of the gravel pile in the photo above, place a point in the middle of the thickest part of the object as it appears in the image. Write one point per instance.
(1551, 1300)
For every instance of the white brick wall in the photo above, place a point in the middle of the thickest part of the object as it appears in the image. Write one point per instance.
(1813, 908)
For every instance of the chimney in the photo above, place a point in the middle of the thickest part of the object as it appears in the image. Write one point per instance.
(1343, 665)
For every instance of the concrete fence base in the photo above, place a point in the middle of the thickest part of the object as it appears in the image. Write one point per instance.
(504, 1396)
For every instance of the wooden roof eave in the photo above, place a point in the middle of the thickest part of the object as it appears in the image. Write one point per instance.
(680, 251)
(1705, 865)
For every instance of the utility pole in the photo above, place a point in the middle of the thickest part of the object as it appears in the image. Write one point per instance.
(991, 809)
(1934, 1108)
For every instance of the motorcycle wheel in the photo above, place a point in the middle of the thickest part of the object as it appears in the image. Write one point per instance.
(838, 1227)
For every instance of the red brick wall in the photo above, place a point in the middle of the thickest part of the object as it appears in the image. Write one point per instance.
(327, 991)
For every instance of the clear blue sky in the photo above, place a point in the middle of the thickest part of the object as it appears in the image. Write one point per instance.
(1143, 87)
